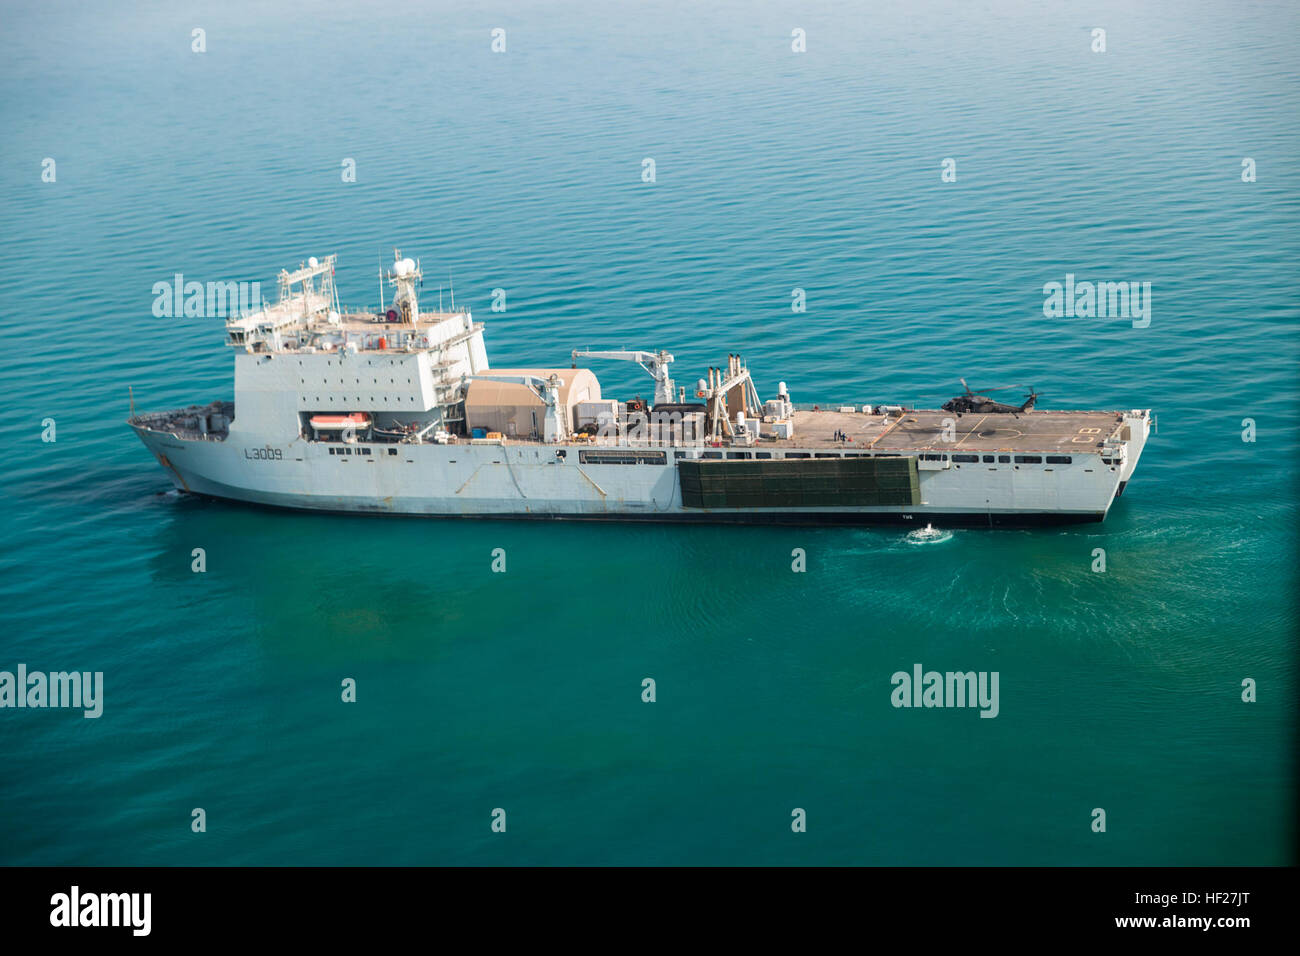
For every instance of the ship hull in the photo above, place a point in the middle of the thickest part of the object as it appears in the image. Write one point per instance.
(530, 481)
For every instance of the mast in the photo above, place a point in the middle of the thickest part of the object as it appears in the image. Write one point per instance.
(405, 275)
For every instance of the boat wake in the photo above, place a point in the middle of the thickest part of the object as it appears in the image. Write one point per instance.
(928, 535)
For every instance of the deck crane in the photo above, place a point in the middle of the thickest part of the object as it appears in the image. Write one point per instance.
(656, 363)
(731, 385)
(547, 389)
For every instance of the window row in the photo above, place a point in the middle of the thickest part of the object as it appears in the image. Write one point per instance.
(356, 450)
(1003, 459)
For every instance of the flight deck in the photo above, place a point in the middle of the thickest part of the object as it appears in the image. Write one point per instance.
(1032, 431)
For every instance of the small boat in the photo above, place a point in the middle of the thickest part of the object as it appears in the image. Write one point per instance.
(397, 431)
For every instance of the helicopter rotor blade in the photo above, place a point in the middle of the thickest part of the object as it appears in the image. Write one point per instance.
(1003, 388)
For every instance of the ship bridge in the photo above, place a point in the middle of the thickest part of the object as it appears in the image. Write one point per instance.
(307, 318)
(307, 359)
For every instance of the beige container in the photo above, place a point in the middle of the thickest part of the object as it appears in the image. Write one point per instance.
(595, 413)
(516, 410)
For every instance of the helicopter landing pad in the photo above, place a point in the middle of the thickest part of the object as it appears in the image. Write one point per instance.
(1034, 431)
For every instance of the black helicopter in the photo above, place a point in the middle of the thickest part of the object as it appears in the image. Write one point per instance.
(983, 405)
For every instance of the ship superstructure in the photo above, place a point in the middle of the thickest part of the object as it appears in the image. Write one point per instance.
(398, 411)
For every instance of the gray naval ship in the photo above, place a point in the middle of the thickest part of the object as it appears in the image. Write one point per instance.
(399, 411)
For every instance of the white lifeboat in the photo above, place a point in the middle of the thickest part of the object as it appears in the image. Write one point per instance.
(357, 421)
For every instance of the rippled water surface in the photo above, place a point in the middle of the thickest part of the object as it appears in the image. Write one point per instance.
(774, 171)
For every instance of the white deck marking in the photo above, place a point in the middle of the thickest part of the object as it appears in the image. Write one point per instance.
(972, 431)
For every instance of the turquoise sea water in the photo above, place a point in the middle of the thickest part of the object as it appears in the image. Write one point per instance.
(774, 170)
